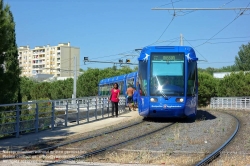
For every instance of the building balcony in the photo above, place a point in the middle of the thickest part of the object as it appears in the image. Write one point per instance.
(38, 68)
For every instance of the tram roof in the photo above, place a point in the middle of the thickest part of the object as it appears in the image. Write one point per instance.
(189, 51)
(113, 79)
(129, 75)
(118, 78)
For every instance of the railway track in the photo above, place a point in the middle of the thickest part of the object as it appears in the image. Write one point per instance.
(208, 159)
(111, 141)
(32, 150)
(64, 147)
(111, 146)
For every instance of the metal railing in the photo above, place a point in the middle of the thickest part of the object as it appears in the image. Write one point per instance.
(230, 102)
(39, 115)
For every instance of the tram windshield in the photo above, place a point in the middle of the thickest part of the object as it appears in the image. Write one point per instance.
(167, 74)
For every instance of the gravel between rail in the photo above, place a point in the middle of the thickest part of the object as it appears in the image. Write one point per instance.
(184, 143)
(237, 153)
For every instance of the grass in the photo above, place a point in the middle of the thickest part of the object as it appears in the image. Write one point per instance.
(232, 159)
(146, 157)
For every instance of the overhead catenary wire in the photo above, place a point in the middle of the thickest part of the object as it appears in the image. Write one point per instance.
(171, 3)
(133, 51)
(168, 24)
(171, 41)
(215, 62)
(235, 37)
(188, 40)
(164, 41)
(237, 8)
(239, 14)
(174, 15)
(188, 12)
(227, 3)
(220, 8)
(162, 32)
(195, 49)
(228, 42)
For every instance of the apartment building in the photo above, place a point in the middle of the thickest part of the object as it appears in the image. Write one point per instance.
(55, 60)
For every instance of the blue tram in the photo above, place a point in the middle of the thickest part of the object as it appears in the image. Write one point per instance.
(123, 81)
(168, 82)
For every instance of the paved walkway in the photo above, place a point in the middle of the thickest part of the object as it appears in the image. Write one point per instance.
(13, 144)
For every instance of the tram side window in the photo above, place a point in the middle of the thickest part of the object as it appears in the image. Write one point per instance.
(192, 71)
(121, 84)
(130, 82)
(142, 74)
(109, 87)
(101, 90)
(106, 89)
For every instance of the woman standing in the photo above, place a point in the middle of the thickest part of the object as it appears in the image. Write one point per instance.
(114, 97)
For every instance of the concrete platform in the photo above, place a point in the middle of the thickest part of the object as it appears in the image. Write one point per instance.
(14, 144)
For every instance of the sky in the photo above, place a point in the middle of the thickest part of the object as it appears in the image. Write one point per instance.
(109, 30)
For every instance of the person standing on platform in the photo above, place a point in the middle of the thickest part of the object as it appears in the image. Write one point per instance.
(130, 92)
(114, 98)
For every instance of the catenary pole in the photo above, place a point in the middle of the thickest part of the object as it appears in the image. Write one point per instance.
(75, 72)
(181, 40)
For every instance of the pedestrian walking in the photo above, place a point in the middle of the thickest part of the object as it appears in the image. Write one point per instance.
(114, 98)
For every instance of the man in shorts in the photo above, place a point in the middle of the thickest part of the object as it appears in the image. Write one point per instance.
(129, 93)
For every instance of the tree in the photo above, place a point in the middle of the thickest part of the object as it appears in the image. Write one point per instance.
(243, 59)
(235, 84)
(9, 66)
(26, 85)
(87, 83)
(229, 68)
(207, 88)
(41, 90)
(124, 70)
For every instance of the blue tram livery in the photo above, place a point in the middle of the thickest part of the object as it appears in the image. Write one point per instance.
(167, 80)
(123, 81)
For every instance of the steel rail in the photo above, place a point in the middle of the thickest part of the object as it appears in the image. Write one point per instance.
(109, 147)
(44, 150)
(217, 152)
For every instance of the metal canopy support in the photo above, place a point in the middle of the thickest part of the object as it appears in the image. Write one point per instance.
(121, 63)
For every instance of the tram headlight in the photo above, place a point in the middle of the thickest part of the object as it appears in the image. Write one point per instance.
(179, 100)
(153, 99)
